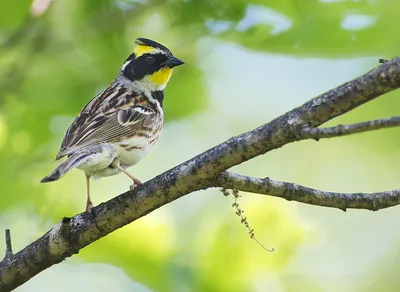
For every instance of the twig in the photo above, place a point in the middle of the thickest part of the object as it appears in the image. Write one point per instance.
(341, 130)
(292, 191)
(243, 220)
(9, 252)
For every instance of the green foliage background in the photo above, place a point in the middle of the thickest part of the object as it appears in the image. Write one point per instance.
(246, 63)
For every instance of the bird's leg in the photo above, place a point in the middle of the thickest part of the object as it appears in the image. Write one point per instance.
(89, 204)
(136, 182)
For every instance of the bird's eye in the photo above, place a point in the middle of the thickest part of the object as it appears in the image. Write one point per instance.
(150, 60)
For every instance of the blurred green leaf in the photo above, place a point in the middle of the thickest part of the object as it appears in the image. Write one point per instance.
(13, 14)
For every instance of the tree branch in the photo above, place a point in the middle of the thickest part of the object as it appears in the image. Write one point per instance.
(295, 192)
(201, 172)
(342, 130)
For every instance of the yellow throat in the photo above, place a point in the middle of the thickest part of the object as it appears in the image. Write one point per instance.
(161, 77)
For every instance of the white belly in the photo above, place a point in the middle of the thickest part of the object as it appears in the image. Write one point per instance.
(97, 164)
(127, 152)
(132, 151)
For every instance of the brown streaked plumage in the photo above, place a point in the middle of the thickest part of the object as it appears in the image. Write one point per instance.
(118, 127)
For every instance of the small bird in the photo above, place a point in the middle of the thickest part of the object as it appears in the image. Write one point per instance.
(119, 126)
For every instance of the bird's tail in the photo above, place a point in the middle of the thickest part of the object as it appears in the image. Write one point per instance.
(72, 161)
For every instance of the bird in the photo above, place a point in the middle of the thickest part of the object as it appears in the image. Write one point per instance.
(120, 125)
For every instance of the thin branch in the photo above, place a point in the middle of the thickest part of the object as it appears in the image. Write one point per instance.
(342, 130)
(9, 252)
(69, 236)
(295, 192)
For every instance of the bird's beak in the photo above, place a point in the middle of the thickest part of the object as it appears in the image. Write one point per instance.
(172, 62)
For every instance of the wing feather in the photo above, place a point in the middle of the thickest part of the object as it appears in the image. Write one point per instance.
(89, 130)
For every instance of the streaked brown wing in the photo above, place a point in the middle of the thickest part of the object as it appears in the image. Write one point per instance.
(93, 110)
(125, 122)
(105, 128)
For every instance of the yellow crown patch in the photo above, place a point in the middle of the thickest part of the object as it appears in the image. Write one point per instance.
(142, 49)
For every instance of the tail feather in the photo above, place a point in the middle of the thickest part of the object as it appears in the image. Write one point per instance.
(73, 161)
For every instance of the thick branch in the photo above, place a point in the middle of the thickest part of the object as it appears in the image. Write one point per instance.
(69, 236)
(342, 130)
(351, 94)
(295, 192)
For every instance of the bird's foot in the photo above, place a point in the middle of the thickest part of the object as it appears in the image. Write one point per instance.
(136, 182)
(89, 206)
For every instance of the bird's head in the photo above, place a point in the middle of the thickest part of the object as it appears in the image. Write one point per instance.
(150, 65)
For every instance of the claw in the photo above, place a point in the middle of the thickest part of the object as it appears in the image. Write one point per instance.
(135, 183)
(89, 207)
